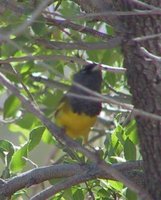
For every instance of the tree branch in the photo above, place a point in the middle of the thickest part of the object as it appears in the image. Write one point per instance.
(41, 174)
(82, 29)
(143, 5)
(119, 13)
(151, 56)
(89, 174)
(70, 59)
(79, 45)
(68, 183)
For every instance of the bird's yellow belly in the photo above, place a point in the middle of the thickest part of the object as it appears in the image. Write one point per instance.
(76, 125)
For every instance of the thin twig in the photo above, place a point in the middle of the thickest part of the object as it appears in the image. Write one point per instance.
(23, 85)
(144, 5)
(50, 83)
(77, 27)
(97, 15)
(146, 53)
(118, 13)
(79, 45)
(147, 37)
(70, 59)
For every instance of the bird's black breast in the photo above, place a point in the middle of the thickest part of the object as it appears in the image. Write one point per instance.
(80, 105)
(85, 106)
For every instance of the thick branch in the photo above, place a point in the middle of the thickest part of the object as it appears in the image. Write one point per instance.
(45, 173)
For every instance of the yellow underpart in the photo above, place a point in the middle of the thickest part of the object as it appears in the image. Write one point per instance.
(75, 125)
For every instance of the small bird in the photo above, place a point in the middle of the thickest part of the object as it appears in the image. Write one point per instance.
(75, 114)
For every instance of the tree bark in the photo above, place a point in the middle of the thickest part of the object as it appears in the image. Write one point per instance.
(144, 76)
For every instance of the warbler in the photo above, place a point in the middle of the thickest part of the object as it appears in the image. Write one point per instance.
(75, 114)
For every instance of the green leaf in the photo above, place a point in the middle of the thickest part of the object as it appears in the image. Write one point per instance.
(17, 129)
(39, 27)
(120, 133)
(11, 106)
(131, 131)
(129, 150)
(68, 194)
(47, 137)
(116, 185)
(2, 155)
(28, 121)
(8, 50)
(18, 162)
(93, 55)
(51, 100)
(110, 78)
(112, 57)
(116, 146)
(6, 146)
(78, 194)
(35, 137)
(103, 193)
(19, 194)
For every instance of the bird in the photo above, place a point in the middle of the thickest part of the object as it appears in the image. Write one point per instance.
(77, 115)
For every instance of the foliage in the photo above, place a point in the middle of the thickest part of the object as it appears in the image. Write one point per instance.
(120, 142)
